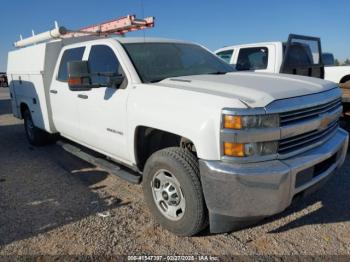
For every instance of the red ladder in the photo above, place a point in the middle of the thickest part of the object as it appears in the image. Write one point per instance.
(118, 26)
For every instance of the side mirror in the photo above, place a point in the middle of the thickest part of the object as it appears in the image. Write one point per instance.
(116, 80)
(79, 78)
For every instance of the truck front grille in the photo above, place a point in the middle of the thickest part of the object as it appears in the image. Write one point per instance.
(294, 143)
(295, 116)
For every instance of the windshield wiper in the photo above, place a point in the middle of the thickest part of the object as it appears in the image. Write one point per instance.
(156, 80)
(218, 73)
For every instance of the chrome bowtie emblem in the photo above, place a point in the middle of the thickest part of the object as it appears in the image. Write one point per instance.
(325, 121)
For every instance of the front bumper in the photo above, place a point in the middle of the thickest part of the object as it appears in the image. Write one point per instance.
(238, 193)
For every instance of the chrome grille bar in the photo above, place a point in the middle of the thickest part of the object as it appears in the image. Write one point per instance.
(294, 143)
(308, 113)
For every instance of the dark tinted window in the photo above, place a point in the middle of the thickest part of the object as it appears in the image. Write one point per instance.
(328, 59)
(225, 55)
(299, 54)
(157, 61)
(103, 60)
(252, 58)
(74, 54)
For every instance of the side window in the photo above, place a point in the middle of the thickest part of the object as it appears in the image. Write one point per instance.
(225, 55)
(102, 59)
(252, 58)
(74, 54)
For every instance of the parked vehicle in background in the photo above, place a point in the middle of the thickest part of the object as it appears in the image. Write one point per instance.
(328, 59)
(3, 80)
(210, 146)
(300, 55)
(341, 75)
(338, 74)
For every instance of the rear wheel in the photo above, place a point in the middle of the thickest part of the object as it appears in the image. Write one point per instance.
(173, 191)
(36, 136)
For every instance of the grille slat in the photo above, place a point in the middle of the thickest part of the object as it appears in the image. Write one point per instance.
(294, 143)
(311, 114)
(320, 107)
(307, 113)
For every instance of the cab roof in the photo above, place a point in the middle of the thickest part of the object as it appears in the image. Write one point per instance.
(125, 40)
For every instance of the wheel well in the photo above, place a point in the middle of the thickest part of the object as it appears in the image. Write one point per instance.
(345, 79)
(149, 140)
(23, 108)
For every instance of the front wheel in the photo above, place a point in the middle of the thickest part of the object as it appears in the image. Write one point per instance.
(173, 191)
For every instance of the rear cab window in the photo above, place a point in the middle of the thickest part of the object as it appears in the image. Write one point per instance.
(226, 55)
(73, 54)
(252, 58)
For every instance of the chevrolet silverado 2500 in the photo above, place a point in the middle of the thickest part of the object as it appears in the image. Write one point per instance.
(211, 146)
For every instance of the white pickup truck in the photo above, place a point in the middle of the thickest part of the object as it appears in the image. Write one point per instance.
(337, 74)
(300, 55)
(211, 146)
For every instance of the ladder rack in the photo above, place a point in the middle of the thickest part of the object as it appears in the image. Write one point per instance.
(118, 26)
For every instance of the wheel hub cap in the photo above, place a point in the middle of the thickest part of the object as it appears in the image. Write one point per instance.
(168, 195)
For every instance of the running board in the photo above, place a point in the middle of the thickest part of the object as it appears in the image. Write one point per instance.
(108, 166)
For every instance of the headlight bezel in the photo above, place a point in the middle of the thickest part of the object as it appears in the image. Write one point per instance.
(245, 122)
(252, 122)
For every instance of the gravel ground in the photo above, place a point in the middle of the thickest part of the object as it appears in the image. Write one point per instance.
(53, 203)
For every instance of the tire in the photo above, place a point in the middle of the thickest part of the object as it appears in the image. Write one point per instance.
(36, 136)
(347, 84)
(161, 168)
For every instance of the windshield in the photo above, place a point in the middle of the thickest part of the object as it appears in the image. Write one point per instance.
(157, 61)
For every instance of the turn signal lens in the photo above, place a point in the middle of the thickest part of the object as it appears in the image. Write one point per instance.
(74, 81)
(233, 149)
(251, 121)
(250, 149)
(232, 122)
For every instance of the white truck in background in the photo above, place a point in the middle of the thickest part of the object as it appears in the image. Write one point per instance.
(210, 146)
(300, 55)
(337, 74)
(341, 75)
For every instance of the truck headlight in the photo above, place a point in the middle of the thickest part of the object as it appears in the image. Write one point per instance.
(250, 149)
(254, 121)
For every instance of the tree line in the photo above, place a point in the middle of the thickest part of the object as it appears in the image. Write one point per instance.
(338, 63)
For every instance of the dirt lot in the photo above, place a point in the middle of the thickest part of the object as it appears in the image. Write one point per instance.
(53, 203)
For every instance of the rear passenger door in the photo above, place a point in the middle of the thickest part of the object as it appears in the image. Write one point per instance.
(63, 101)
(102, 111)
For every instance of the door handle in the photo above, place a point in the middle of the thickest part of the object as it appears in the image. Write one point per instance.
(53, 91)
(83, 96)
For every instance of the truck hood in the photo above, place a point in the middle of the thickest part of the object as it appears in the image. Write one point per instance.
(253, 89)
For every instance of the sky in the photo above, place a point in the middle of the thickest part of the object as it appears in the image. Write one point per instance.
(211, 23)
